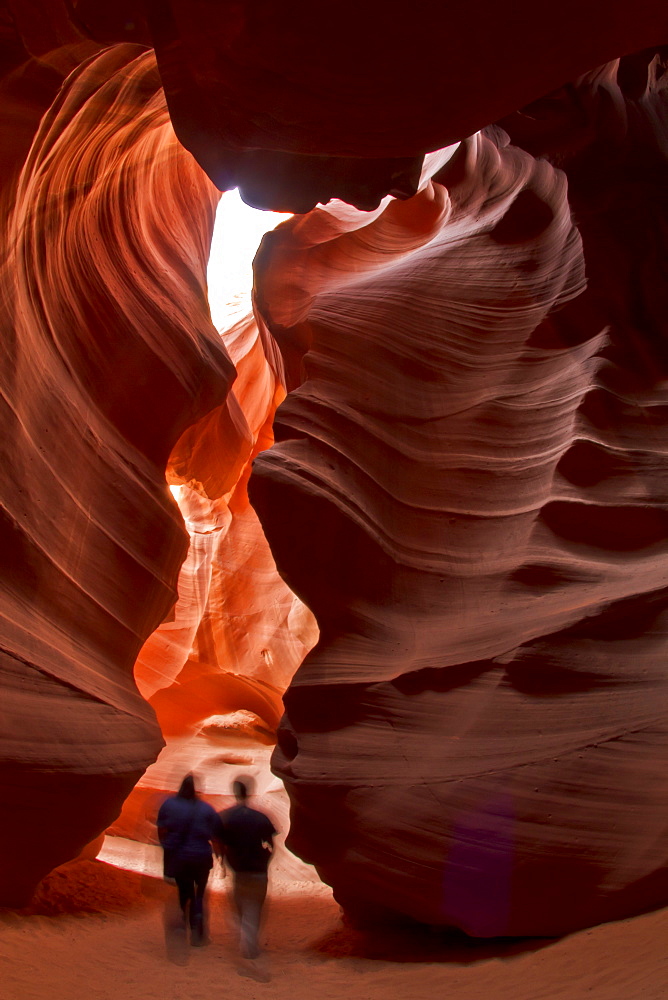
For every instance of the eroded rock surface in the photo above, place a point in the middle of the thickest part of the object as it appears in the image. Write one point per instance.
(474, 460)
(216, 671)
(237, 633)
(108, 354)
(113, 377)
(468, 483)
(298, 103)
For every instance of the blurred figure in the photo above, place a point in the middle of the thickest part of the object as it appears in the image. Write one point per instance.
(186, 827)
(247, 841)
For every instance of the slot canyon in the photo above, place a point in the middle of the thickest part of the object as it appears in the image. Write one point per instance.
(399, 530)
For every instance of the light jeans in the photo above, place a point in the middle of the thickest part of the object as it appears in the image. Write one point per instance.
(250, 890)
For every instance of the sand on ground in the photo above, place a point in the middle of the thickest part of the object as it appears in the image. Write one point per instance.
(95, 932)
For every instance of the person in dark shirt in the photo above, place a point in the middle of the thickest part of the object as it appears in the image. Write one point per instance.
(186, 827)
(246, 837)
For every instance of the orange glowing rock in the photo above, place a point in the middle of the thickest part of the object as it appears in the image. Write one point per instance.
(467, 486)
(238, 633)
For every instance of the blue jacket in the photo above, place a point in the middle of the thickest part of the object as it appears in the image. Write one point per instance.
(187, 827)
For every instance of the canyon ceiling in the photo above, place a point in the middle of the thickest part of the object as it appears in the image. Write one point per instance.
(422, 488)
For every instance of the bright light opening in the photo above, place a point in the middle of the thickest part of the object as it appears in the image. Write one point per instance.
(236, 237)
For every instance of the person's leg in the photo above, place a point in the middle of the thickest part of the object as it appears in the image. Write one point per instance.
(197, 916)
(184, 884)
(175, 920)
(250, 890)
(237, 895)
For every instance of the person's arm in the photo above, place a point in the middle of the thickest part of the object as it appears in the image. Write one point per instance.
(268, 837)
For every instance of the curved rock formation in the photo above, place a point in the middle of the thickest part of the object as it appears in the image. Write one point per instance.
(216, 672)
(467, 486)
(468, 489)
(108, 355)
(252, 632)
(114, 357)
(298, 103)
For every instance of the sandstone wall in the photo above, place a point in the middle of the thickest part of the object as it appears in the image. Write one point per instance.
(108, 353)
(468, 489)
(467, 486)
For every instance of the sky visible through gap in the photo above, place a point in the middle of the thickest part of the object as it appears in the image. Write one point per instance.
(236, 237)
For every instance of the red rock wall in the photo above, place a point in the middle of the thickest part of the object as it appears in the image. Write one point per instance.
(108, 353)
(297, 103)
(467, 486)
(468, 489)
(238, 633)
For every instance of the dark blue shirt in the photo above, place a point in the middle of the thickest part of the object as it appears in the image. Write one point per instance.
(187, 826)
(243, 831)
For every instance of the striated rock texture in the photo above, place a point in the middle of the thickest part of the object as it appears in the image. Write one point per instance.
(112, 372)
(108, 354)
(467, 483)
(468, 488)
(238, 633)
(215, 672)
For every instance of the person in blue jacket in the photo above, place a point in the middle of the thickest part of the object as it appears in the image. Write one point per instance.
(186, 827)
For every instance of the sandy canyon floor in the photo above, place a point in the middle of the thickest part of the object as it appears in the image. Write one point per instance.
(96, 932)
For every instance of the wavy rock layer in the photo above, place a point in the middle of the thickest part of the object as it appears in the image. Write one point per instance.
(254, 632)
(468, 482)
(468, 489)
(238, 633)
(108, 354)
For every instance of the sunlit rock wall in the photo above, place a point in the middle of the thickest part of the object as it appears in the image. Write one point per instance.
(216, 671)
(108, 354)
(468, 488)
(237, 628)
(467, 483)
